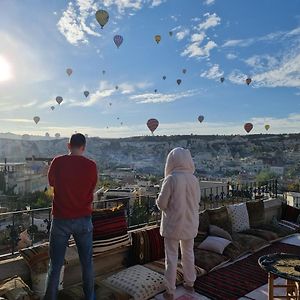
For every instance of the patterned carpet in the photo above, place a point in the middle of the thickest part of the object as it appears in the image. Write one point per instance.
(240, 278)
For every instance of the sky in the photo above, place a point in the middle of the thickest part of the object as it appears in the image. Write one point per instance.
(234, 39)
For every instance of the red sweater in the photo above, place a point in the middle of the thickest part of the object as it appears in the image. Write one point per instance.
(74, 179)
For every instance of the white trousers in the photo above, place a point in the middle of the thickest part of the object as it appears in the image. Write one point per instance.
(171, 260)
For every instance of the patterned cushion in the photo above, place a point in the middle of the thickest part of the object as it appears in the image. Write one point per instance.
(289, 213)
(207, 260)
(36, 257)
(215, 244)
(147, 245)
(159, 267)
(138, 281)
(15, 288)
(217, 231)
(110, 229)
(239, 217)
(219, 217)
(256, 212)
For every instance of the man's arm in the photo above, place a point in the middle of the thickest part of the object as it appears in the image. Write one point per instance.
(51, 173)
(164, 196)
(95, 176)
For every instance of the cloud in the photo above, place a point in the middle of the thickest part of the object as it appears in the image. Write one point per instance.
(162, 98)
(213, 73)
(73, 25)
(209, 2)
(16, 120)
(182, 34)
(260, 62)
(240, 43)
(196, 48)
(231, 56)
(129, 88)
(123, 5)
(157, 2)
(237, 77)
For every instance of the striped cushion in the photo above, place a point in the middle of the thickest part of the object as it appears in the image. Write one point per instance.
(36, 257)
(110, 229)
(289, 225)
(15, 288)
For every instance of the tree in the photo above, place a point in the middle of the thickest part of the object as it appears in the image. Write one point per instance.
(265, 175)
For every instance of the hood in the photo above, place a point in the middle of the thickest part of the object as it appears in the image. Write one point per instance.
(180, 160)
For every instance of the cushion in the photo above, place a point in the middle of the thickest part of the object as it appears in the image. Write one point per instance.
(264, 234)
(203, 221)
(248, 242)
(15, 288)
(138, 281)
(208, 260)
(233, 251)
(214, 243)
(289, 213)
(110, 229)
(156, 241)
(201, 236)
(159, 267)
(279, 228)
(256, 212)
(218, 231)
(219, 217)
(239, 217)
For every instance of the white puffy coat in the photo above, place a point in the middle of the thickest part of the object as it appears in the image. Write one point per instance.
(179, 197)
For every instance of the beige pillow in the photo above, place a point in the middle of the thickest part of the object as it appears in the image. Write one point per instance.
(214, 244)
(220, 232)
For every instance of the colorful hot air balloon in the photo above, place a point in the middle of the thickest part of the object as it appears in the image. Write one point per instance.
(59, 99)
(86, 93)
(183, 71)
(152, 124)
(69, 71)
(36, 119)
(267, 127)
(102, 17)
(155, 91)
(157, 38)
(200, 119)
(248, 80)
(170, 33)
(248, 127)
(178, 81)
(52, 107)
(57, 135)
(222, 79)
(164, 77)
(118, 39)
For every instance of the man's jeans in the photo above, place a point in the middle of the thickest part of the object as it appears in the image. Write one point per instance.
(61, 230)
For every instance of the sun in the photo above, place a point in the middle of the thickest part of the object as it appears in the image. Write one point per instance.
(5, 69)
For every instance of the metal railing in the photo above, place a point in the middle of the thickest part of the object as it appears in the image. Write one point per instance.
(139, 211)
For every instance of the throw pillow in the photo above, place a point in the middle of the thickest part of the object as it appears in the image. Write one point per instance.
(214, 244)
(15, 288)
(218, 231)
(239, 217)
(140, 282)
(110, 229)
(289, 213)
(219, 217)
(203, 222)
(256, 212)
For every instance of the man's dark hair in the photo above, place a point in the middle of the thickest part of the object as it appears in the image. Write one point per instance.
(77, 140)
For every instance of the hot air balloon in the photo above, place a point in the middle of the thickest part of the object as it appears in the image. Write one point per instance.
(118, 118)
(116, 87)
(47, 135)
(52, 107)
(36, 119)
(155, 91)
(110, 104)
(164, 77)
(69, 71)
(103, 72)
(157, 38)
(222, 79)
(59, 99)
(57, 135)
(170, 33)
(200, 119)
(86, 93)
(152, 124)
(248, 127)
(267, 127)
(178, 81)
(102, 17)
(118, 39)
(248, 80)
(121, 123)
(183, 71)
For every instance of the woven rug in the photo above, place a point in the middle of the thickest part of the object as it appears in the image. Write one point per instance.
(240, 278)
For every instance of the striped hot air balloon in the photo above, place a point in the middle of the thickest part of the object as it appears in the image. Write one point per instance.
(248, 127)
(118, 40)
(152, 124)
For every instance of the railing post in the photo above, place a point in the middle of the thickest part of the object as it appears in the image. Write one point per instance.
(12, 232)
(276, 188)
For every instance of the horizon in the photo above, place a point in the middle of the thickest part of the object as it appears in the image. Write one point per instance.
(210, 40)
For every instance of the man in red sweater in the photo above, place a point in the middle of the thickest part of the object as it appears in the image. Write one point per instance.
(74, 179)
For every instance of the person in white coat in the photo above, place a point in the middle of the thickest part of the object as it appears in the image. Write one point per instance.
(179, 203)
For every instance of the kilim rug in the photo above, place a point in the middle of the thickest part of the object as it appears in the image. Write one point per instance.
(240, 278)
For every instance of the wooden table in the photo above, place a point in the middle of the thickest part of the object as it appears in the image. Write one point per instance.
(282, 265)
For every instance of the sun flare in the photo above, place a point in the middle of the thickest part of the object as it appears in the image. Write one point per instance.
(5, 69)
